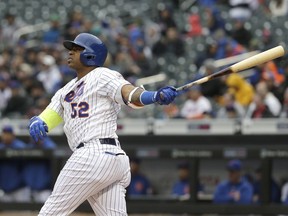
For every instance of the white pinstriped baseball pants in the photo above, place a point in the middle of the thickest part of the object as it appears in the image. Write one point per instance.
(93, 175)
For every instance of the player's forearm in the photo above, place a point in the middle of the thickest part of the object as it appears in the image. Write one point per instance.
(141, 97)
(137, 97)
(51, 118)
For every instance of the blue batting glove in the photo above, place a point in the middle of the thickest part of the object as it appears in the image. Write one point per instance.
(37, 128)
(165, 95)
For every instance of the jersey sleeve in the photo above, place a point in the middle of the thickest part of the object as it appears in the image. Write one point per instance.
(55, 103)
(111, 84)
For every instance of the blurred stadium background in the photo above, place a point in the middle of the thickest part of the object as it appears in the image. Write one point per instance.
(154, 43)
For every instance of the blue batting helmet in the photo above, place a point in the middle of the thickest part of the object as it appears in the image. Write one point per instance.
(95, 51)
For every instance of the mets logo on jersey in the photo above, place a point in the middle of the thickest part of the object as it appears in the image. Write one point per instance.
(73, 94)
(78, 109)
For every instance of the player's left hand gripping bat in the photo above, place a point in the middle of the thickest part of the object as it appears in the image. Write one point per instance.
(250, 62)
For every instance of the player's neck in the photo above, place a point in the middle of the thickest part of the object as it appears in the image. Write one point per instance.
(83, 72)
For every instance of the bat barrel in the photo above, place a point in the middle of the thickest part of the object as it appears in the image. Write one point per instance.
(258, 59)
(250, 62)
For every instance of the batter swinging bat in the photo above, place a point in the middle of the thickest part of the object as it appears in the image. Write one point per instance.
(250, 62)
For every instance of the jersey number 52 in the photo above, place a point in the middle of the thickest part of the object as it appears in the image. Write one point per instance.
(80, 110)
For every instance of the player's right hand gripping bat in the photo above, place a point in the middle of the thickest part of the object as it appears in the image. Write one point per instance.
(250, 62)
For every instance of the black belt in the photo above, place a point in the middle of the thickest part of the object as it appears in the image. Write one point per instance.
(107, 141)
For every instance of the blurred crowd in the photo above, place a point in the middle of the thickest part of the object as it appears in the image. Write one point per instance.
(32, 68)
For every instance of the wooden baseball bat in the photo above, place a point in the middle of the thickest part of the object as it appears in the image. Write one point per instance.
(250, 62)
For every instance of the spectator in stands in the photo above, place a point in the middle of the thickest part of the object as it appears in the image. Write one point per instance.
(284, 194)
(31, 58)
(112, 29)
(23, 73)
(152, 33)
(284, 111)
(139, 51)
(10, 25)
(5, 61)
(16, 62)
(38, 106)
(50, 75)
(230, 108)
(258, 109)
(240, 33)
(268, 39)
(269, 69)
(235, 190)
(269, 98)
(240, 89)
(207, 3)
(210, 52)
(5, 93)
(274, 188)
(215, 88)
(88, 26)
(265, 71)
(171, 44)
(196, 106)
(214, 19)
(36, 90)
(280, 90)
(170, 112)
(37, 173)
(17, 104)
(277, 91)
(142, 56)
(11, 181)
(278, 7)
(35, 93)
(53, 34)
(134, 34)
(166, 19)
(242, 9)
(1, 36)
(124, 61)
(195, 27)
(228, 47)
(42, 102)
(140, 184)
(74, 24)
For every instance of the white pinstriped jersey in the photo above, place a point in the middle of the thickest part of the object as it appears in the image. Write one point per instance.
(89, 106)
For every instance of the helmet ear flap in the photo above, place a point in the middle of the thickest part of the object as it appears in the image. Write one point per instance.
(88, 59)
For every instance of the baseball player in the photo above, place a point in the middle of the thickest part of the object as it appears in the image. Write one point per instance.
(98, 170)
